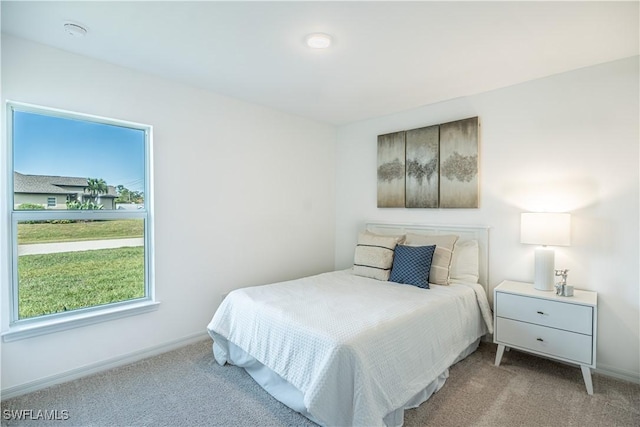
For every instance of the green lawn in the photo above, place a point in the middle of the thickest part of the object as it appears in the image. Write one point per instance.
(91, 230)
(52, 283)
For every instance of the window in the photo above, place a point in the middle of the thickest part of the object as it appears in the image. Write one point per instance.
(81, 257)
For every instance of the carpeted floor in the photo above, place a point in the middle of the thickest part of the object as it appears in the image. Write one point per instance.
(186, 387)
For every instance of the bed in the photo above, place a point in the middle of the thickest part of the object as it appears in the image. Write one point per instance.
(353, 348)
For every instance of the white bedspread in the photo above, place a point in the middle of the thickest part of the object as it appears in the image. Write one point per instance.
(356, 348)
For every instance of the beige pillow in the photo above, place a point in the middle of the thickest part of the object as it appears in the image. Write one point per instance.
(439, 274)
(374, 255)
(465, 262)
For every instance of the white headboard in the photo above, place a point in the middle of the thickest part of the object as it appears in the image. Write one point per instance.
(465, 232)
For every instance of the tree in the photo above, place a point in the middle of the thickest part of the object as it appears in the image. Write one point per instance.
(95, 187)
(128, 196)
(137, 197)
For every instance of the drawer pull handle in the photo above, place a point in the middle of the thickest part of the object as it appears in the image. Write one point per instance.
(540, 312)
(540, 339)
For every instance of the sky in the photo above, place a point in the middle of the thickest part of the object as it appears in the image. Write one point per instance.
(47, 145)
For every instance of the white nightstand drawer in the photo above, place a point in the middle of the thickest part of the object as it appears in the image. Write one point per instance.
(550, 341)
(560, 315)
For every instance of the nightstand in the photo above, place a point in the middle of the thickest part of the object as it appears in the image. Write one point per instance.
(543, 323)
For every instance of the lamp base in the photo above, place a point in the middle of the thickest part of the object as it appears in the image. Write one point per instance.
(544, 265)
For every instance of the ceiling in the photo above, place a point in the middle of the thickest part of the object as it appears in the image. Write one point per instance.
(386, 56)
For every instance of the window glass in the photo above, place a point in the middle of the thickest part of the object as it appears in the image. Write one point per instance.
(68, 265)
(80, 223)
(88, 165)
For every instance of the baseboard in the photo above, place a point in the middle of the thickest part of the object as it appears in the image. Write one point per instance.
(103, 365)
(605, 370)
(610, 371)
(172, 345)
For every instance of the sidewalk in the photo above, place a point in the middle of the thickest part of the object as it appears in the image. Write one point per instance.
(88, 245)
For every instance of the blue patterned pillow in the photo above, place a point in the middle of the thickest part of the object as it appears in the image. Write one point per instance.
(411, 265)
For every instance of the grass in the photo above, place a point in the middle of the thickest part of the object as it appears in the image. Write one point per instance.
(77, 231)
(53, 283)
(57, 282)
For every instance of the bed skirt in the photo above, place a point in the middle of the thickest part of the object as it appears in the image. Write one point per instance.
(286, 393)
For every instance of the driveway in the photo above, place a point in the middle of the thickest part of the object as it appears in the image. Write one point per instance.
(87, 245)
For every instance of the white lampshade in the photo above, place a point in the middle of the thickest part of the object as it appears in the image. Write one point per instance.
(543, 228)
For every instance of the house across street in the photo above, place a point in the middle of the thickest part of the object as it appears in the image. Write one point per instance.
(55, 191)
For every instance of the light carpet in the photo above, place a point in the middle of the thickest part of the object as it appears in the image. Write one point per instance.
(186, 387)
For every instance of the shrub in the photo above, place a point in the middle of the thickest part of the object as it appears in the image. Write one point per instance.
(86, 205)
(30, 207)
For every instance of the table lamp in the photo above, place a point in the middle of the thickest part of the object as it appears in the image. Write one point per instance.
(545, 229)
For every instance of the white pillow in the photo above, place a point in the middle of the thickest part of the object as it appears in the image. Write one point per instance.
(374, 255)
(465, 262)
(439, 274)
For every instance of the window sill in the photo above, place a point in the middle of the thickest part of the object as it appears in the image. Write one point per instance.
(43, 327)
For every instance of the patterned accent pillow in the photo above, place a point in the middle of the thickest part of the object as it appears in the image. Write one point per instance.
(441, 263)
(411, 265)
(374, 255)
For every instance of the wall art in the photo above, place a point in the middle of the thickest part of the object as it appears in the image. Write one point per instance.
(422, 166)
(430, 167)
(391, 170)
(459, 164)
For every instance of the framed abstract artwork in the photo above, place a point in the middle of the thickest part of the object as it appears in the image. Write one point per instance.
(422, 166)
(459, 182)
(430, 167)
(391, 170)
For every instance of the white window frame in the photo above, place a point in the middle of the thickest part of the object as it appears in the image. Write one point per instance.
(55, 202)
(25, 328)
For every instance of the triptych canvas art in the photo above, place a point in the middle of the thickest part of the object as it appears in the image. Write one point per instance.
(430, 167)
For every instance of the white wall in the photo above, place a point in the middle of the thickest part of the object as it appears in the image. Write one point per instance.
(566, 143)
(271, 206)
(244, 195)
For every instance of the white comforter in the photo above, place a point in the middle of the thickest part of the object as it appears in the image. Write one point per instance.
(356, 348)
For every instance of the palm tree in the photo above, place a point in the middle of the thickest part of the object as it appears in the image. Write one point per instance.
(95, 187)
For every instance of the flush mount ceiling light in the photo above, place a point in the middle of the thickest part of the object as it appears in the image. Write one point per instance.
(318, 40)
(75, 30)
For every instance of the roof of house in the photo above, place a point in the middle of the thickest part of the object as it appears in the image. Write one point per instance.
(46, 184)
